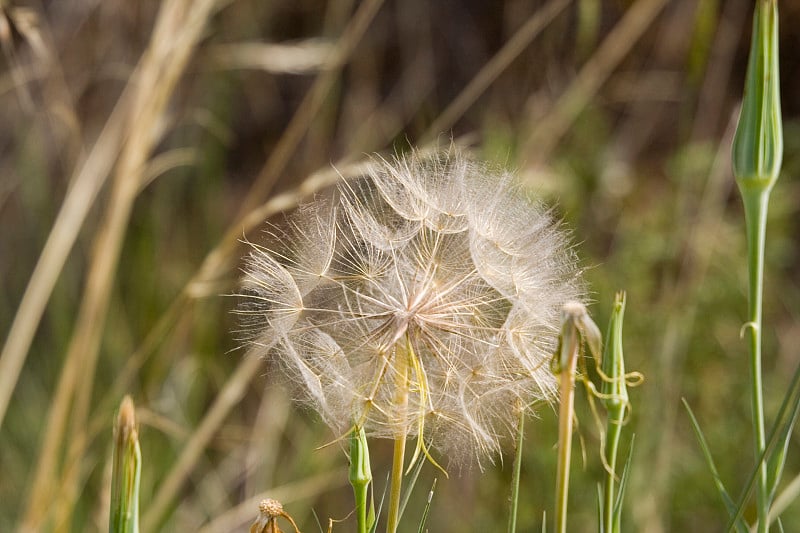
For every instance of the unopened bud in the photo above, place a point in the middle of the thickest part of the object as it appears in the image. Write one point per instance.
(614, 388)
(758, 143)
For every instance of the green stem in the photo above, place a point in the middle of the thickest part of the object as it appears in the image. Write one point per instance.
(565, 418)
(512, 519)
(360, 477)
(613, 432)
(615, 400)
(755, 208)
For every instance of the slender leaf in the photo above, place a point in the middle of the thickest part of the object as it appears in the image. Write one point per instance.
(726, 499)
(782, 426)
(512, 516)
(410, 487)
(427, 508)
(623, 484)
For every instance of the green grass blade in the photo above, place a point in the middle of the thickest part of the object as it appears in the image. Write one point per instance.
(726, 499)
(512, 517)
(316, 519)
(427, 508)
(374, 526)
(600, 523)
(623, 484)
(784, 423)
(410, 487)
(787, 416)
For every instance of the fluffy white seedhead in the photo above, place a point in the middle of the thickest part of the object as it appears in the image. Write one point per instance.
(423, 298)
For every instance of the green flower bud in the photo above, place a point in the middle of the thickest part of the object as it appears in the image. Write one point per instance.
(126, 472)
(360, 472)
(758, 143)
(360, 479)
(614, 388)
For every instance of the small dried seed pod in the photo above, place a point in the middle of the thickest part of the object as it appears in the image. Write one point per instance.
(269, 511)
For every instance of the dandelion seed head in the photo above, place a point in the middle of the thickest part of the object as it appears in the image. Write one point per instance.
(433, 275)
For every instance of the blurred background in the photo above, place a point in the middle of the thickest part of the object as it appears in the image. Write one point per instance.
(141, 141)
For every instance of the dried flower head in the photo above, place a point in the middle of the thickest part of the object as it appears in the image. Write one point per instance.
(422, 300)
(269, 511)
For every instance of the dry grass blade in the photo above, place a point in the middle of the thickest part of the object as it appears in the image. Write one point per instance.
(17, 72)
(262, 452)
(595, 72)
(86, 182)
(167, 161)
(218, 261)
(177, 32)
(216, 265)
(311, 104)
(297, 58)
(518, 42)
(225, 400)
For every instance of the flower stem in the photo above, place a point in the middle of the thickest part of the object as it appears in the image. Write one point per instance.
(615, 400)
(398, 459)
(757, 156)
(755, 208)
(570, 343)
(613, 432)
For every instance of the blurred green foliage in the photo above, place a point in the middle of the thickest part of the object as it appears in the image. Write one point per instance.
(642, 177)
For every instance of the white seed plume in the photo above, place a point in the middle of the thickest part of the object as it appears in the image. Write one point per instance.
(434, 276)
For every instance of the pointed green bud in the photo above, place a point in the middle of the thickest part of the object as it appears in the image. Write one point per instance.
(758, 143)
(614, 388)
(360, 472)
(360, 478)
(126, 472)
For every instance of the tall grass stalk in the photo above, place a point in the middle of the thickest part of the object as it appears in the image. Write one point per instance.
(161, 67)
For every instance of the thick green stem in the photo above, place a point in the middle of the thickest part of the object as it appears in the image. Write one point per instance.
(397, 483)
(565, 421)
(398, 459)
(615, 400)
(757, 157)
(360, 478)
(613, 432)
(755, 208)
